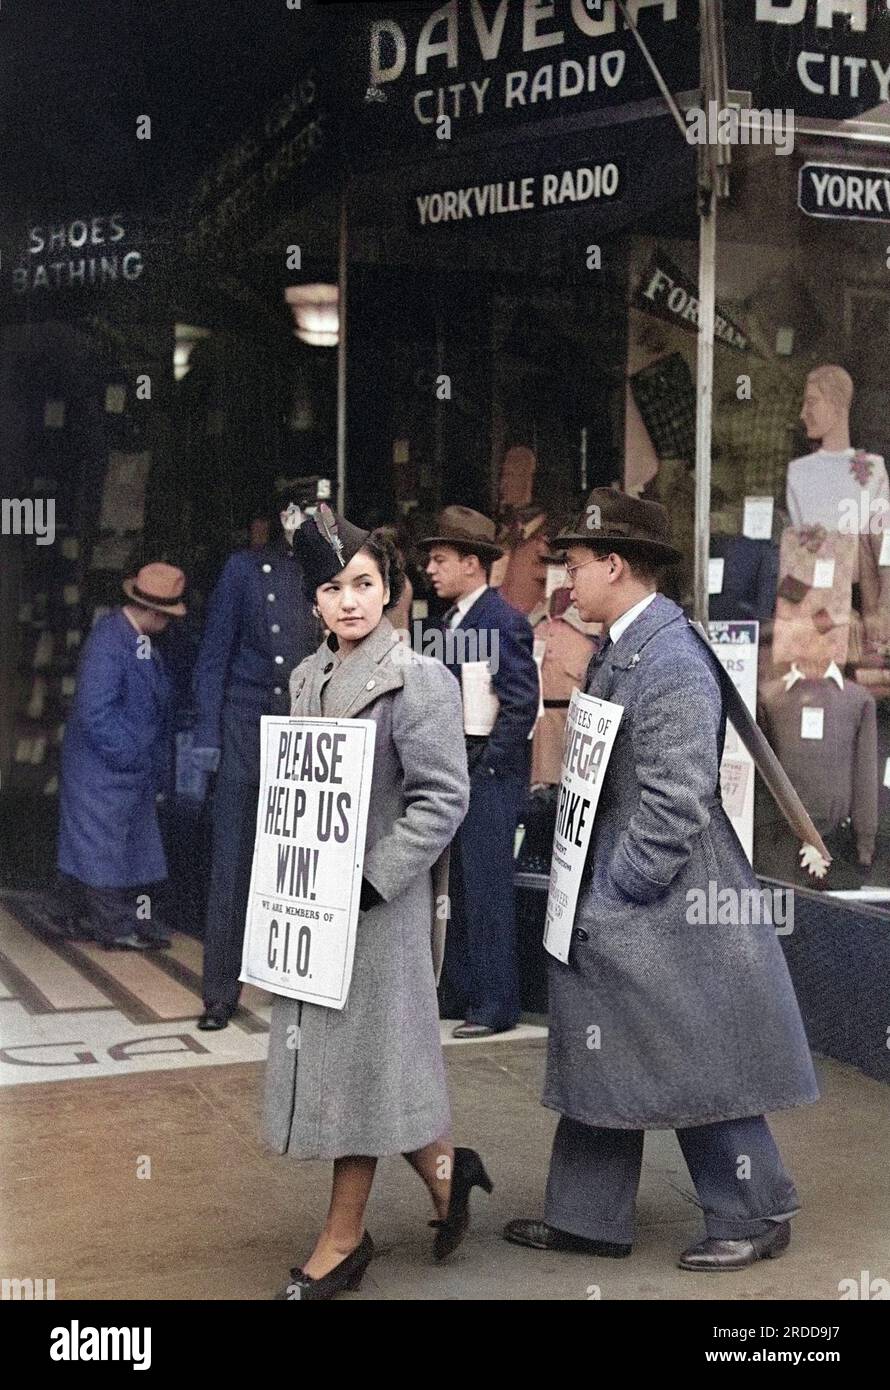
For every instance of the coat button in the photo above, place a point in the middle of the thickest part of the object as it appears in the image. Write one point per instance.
(271, 598)
(279, 661)
(329, 667)
(278, 690)
(370, 685)
(581, 934)
(275, 627)
(267, 569)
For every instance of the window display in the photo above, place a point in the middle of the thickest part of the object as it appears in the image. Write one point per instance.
(801, 513)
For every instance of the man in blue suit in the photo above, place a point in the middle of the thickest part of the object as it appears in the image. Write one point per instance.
(259, 627)
(480, 981)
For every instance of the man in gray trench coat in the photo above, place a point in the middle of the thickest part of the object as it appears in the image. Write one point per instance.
(696, 1026)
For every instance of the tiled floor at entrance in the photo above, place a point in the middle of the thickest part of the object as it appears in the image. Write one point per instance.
(73, 1010)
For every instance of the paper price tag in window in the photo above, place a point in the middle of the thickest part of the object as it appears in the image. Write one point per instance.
(823, 574)
(715, 575)
(757, 522)
(887, 773)
(812, 723)
(884, 557)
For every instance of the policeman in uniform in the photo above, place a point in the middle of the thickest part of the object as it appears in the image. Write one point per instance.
(259, 627)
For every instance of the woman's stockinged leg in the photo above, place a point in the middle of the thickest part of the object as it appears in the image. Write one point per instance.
(345, 1223)
(435, 1164)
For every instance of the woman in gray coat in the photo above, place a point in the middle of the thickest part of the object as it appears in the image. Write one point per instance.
(368, 1080)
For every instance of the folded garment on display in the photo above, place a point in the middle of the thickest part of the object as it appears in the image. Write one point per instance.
(814, 597)
(750, 578)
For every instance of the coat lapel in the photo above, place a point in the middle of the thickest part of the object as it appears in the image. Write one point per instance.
(628, 649)
(366, 674)
(627, 652)
(475, 614)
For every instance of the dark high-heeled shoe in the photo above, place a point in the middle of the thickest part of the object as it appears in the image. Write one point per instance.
(468, 1172)
(344, 1277)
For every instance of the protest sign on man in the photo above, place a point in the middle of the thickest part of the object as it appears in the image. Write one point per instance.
(591, 727)
(306, 878)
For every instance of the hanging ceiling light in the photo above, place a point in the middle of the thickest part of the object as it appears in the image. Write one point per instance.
(316, 311)
(185, 335)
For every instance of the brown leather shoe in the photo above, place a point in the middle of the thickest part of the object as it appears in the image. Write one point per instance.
(712, 1256)
(537, 1235)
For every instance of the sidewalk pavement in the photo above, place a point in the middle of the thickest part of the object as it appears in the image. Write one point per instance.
(218, 1219)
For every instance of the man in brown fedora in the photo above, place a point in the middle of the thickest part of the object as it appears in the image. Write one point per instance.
(659, 1020)
(480, 982)
(110, 846)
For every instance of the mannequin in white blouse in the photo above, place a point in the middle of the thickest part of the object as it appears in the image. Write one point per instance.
(842, 488)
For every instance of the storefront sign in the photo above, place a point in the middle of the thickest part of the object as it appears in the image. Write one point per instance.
(560, 188)
(76, 253)
(430, 74)
(305, 882)
(591, 727)
(824, 58)
(845, 191)
(667, 293)
(260, 172)
(511, 65)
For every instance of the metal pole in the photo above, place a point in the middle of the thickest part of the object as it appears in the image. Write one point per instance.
(654, 69)
(709, 175)
(707, 258)
(342, 283)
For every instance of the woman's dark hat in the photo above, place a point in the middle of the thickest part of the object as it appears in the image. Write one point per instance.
(467, 531)
(622, 523)
(325, 544)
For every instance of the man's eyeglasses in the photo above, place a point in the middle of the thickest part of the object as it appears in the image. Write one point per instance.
(572, 570)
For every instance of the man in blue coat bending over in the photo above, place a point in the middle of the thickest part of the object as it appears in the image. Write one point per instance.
(660, 1019)
(480, 979)
(115, 748)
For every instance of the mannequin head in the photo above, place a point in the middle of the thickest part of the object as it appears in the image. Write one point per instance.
(828, 395)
